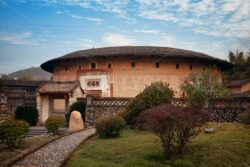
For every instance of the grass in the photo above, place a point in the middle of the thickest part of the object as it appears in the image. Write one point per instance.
(229, 146)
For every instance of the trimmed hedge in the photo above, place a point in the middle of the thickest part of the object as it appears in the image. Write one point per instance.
(110, 126)
(77, 106)
(13, 132)
(28, 114)
(53, 123)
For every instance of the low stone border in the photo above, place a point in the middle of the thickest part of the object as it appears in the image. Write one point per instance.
(33, 149)
(55, 152)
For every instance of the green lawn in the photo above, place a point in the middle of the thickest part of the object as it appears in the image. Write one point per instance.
(227, 147)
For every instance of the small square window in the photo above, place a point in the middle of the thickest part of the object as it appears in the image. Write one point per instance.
(190, 67)
(93, 65)
(79, 67)
(133, 64)
(109, 65)
(157, 65)
(65, 68)
(177, 66)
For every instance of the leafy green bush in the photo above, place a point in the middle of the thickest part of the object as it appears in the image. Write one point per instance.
(245, 117)
(28, 114)
(201, 87)
(110, 126)
(77, 106)
(53, 123)
(156, 94)
(13, 132)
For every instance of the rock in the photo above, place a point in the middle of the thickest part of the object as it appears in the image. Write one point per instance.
(76, 122)
(209, 130)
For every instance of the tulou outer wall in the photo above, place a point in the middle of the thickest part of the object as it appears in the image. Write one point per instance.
(126, 81)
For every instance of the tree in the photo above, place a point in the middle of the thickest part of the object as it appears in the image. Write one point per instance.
(241, 69)
(1, 86)
(202, 86)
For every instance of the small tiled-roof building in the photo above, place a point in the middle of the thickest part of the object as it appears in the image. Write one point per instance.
(239, 86)
(54, 97)
(21, 85)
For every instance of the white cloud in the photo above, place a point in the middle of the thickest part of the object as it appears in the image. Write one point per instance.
(115, 39)
(76, 16)
(68, 13)
(113, 6)
(94, 19)
(80, 42)
(17, 39)
(147, 31)
(228, 18)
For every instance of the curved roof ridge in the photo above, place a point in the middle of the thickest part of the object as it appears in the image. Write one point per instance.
(137, 51)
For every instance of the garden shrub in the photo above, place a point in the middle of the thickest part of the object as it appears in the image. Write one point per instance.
(174, 125)
(202, 86)
(154, 95)
(77, 106)
(13, 132)
(245, 117)
(53, 123)
(28, 114)
(110, 126)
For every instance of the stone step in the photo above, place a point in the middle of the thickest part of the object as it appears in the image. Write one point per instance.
(36, 131)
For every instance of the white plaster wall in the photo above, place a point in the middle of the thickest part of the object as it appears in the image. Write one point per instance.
(45, 108)
(104, 83)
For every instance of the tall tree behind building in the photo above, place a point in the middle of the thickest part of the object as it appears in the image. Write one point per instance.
(241, 69)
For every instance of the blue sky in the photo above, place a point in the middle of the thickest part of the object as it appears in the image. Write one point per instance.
(32, 32)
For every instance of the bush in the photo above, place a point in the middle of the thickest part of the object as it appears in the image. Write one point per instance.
(53, 123)
(28, 114)
(154, 95)
(110, 126)
(174, 125)
(77, 106)
(245, 117)
(13, 132)
(202, 86)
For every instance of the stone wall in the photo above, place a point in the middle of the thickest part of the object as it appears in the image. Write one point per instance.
(18, 100)
(100, 107)
(227, 109)
(219, 110)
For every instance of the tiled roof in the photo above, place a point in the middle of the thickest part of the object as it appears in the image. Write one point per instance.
(22, 83)
(238, 83)
(58, 87)
(135, 51)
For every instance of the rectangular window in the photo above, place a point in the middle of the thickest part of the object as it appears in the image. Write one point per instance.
(79, 67)
(190, 67)
(109, 65)
(133, 64)
(157, 65)
(177, 66)
(65, 68)
(93, 65)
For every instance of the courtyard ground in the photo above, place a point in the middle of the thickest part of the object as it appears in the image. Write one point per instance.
(229, 146)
